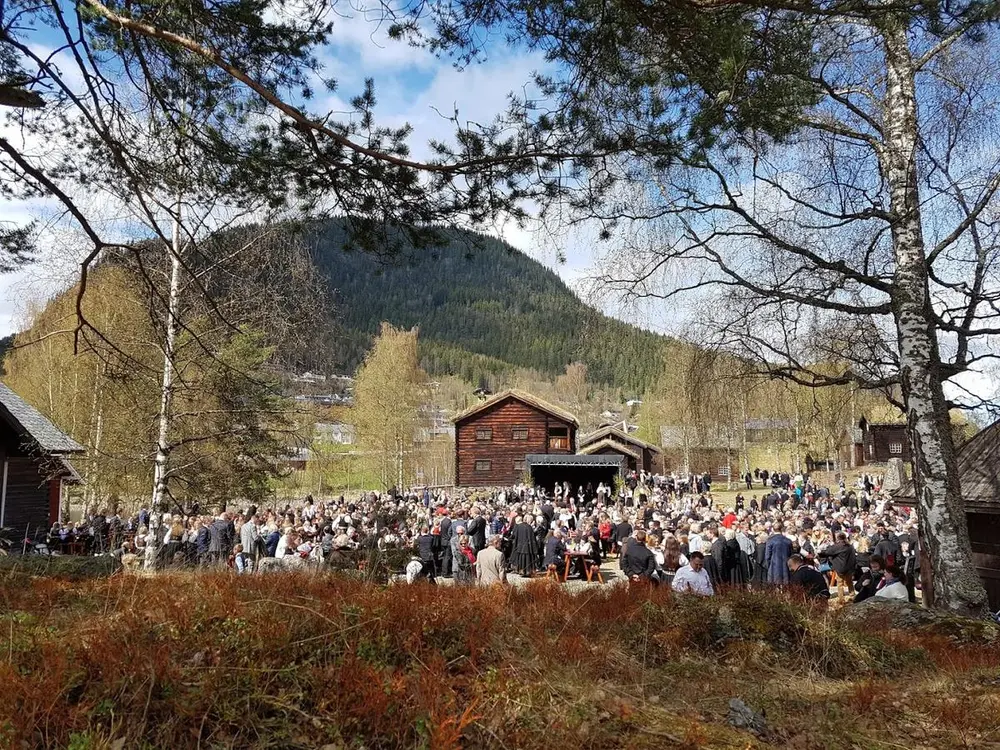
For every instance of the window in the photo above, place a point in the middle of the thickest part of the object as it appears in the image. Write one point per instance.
(519, 433)
(518, 464)
(558, 438)
(484, 433)
(896, 449)
(483, 464)
(723, 471)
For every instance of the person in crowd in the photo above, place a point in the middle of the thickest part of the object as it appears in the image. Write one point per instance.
(693, 578)
(491, 566)
(806, 579)
(555, 550)
(870, 580)
(638, 563)
(893, 585)
(843, 560)
(464, 559)
(776, 554)
(241, 561)
(427, 546)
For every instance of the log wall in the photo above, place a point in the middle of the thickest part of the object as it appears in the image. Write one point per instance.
(505, 454)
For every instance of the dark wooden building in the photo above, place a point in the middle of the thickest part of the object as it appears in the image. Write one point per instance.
(34, 455)
(493, 438)
(979, 473)
(639, 455)
(881, 441)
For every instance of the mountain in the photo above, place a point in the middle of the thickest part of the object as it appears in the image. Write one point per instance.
(484, 310)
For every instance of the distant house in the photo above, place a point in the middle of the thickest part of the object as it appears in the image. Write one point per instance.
(334, 432)
(309, 377)
(640, 455)
(770, 430)
(881, 441)
(35, 465)
(852, 447)
(692, 450)
(494, 438)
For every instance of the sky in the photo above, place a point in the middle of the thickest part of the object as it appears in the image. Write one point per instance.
(412, 86)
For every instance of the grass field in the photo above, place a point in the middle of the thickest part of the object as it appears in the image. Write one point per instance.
(214, 661)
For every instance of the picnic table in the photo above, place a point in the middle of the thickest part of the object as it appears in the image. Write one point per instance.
(582, 557)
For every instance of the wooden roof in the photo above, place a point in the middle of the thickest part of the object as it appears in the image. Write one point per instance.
(978, 471)
(608, 443)
(523, 397)
(613, 432)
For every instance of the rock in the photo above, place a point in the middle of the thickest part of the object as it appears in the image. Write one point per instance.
(905, 616)
(742, 716)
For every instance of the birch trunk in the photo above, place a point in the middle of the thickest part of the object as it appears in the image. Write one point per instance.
(942, 523)
(161, 465)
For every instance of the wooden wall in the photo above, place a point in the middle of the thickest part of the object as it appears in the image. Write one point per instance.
(502, 451)
(609, 449)
(984, 533)
(28, 499)
(877, 441)
(702, 460)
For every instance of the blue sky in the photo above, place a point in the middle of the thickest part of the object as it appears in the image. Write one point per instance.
(412, 86)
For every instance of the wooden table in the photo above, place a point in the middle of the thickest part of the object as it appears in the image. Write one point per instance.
(569, 561)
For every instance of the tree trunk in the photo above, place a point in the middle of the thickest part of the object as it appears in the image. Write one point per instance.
(942, 520)
(161, 465)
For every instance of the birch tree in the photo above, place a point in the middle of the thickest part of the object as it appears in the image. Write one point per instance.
(821, 166)
(387, 394)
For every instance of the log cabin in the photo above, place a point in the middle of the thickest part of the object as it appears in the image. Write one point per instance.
(884, 440)
(639, 455)
(494, 438)
(34, 453)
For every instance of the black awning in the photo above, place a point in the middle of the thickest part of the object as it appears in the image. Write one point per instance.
(559, 459)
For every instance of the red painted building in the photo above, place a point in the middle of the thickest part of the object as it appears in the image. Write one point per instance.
(493, 438)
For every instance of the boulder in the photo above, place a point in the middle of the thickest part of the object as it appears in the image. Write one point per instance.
(882, 613)
(742, 716)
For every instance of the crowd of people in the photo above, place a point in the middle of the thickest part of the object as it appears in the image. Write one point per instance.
(667, 530)
(661, 529)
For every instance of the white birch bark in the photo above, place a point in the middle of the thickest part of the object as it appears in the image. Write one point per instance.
(936, 481)
(161, 465)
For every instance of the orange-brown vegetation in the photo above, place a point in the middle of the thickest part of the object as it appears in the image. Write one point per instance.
(299, 661)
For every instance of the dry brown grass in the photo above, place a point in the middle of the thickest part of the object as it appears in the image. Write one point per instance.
(300, 661)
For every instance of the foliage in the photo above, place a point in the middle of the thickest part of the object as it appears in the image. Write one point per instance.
(387, 395)
(300, 660)
(104, 396)
(65, 567)
(233, 430)
(484, 310)
(231, 425)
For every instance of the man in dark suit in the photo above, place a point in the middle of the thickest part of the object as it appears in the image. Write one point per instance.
(427, 546)
(476, 529)
(638, 563)
(445, 542)
(548, 512)
(776, 554)
(843, 558)
(807, 579)
(622, 532)
(555, 550)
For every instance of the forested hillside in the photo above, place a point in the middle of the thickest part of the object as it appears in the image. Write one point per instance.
(484, 309)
